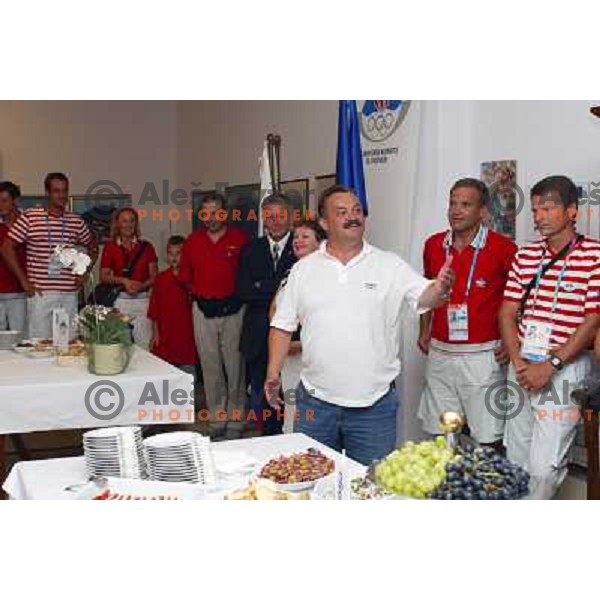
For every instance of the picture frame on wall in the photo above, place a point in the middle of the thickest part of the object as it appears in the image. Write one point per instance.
(197, 196)
(97, 212)
(322, 182)
(500, 176)
(27, 202)
(244, 198)
(296, 190)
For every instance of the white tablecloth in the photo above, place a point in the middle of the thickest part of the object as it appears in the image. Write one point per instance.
(39, 395)
(47, 479)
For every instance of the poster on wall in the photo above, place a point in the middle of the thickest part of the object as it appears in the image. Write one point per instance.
(242, 203)
(296, 191)
(322, 182)
(97, 212)
(27, 202)
(501, 178)
(390, 132)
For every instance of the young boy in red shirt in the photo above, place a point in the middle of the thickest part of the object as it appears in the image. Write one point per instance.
(170, 311)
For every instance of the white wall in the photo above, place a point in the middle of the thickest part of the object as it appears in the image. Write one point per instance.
(546, 138)
(135, 142)
(222, 141)
(129, 143)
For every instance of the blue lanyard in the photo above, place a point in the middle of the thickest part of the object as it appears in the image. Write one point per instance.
(62, 235)
(480, 237)
(538, 277)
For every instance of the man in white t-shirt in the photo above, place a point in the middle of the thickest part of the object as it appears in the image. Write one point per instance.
(347, 296)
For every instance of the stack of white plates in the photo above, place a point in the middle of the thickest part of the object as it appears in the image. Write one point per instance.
(114, 452)
(180, 456)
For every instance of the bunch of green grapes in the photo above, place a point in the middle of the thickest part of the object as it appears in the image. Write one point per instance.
(414, 470)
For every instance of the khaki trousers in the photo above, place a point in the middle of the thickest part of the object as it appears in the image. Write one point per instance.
(218, 340)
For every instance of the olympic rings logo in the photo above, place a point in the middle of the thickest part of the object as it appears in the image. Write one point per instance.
(381, 124)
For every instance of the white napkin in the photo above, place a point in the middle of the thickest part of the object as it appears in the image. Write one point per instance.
(232, 462)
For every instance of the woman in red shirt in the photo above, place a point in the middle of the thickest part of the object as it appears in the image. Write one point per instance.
(126, 248)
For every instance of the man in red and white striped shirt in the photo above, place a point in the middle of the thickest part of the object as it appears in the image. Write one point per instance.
(47, 284)
(549, 318)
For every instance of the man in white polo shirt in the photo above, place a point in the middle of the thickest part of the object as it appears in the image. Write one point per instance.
(47, 284)
(347, 296)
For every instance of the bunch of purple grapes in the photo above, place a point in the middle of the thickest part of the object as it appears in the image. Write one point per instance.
(482, 474)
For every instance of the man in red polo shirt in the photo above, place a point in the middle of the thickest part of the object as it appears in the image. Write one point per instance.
(13, 307)
(209, 265)
(462, 338)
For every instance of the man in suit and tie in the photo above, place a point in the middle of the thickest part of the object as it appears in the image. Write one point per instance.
(264, 263)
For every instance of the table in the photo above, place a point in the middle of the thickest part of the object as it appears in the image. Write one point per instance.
(39, 395)
(47, 479)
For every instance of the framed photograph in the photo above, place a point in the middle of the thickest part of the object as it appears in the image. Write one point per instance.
(245, 199)
(501, 178)
(197, 196)
(297, 191)
(26, 202)
(97, 211)
(322, 182)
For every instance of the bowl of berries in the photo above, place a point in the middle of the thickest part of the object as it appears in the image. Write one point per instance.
(299, 471)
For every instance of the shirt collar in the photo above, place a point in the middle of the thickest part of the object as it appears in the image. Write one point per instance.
(480, 239)
(281, 243)
(134, 241)
(366, 250)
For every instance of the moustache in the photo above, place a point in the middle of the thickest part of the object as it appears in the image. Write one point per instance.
(353, 223)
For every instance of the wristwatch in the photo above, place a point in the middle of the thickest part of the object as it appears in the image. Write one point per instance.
(556, 363)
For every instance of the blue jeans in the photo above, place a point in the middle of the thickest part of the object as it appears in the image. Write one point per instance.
(367, 434)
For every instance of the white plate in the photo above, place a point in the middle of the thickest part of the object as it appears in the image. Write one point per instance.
(110, 432)
(174, 439)
(22, 349)
(301, 486)
(40, 354)
(139, 487)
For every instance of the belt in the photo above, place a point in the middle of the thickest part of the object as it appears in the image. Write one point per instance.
(463, 348)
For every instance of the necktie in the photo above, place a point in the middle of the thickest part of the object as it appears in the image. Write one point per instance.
(275, 255)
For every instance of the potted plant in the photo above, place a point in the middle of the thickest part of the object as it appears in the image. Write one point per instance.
(107, 335)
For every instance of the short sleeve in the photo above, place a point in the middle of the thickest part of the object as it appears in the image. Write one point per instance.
(19, 229)
(154, 303)
(85, 236)
(509, 256)
(514, 290)
(151, 252)
(185, 264)
(426, 260)
(107, 258)
(286, 309)
(412, 285)
(592, 297)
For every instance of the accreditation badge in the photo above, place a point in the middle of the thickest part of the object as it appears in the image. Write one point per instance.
(536, 342)
(54, 268)
(458, 323)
